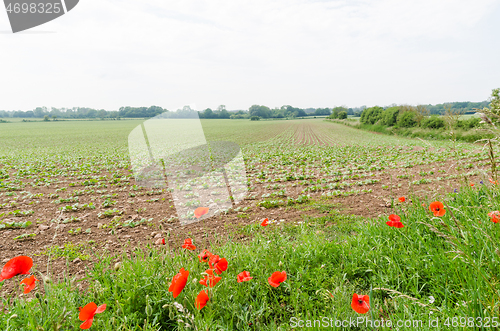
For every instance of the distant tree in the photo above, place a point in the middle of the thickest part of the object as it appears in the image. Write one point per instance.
(46, 118)
(152, 111)
(290, 111)
(433, 122)
(239, 115)
(390, 116)
(420, 112)
(208, 113)
(339, 109)
(334, 114)
(322, 111)
(371, 115)
(254, 118)
(54, 112)
(407, 119)
(139, 112)
(261, 111)
(39, 112)
(467, 124)
(92, 113)
(221, 112)
(342, 115)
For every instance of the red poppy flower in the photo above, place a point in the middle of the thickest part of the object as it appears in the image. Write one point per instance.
(493, 181)
(188, 244)
(361, 303)
(29, 283)
(88, 312)
(20, 265)
(163, 241)
(201, 300)
(402, 199)
(277, 278)
(437, 208)
(244, 276)
(179, 282)
(221, 266)
(210, 279)
(495, 216)
(200, 211)
(395, 221)
(205, 256)
(213, 260)
(264, 222)
(471, 184)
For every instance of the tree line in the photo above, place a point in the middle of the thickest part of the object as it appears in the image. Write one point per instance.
(406, 116)
(255, 111)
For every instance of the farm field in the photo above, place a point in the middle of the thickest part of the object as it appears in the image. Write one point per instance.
(69, 200)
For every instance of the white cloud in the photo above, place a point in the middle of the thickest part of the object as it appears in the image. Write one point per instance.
(111, 53)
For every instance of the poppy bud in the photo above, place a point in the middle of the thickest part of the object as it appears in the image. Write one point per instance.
(165, 306)
(149, 310)
(37, 295)
(13, 316)
(46, 279)
(117, 266)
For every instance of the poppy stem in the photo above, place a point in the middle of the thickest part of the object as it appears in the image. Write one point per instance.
(17, 288)
(453, 217)
(371, 301)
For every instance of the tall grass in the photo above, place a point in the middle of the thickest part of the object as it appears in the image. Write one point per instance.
(434, 267)
(470, 136)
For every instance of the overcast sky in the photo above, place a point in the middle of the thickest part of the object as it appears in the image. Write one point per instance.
(113, 53)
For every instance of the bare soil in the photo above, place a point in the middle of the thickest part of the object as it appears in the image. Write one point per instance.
(212, 230)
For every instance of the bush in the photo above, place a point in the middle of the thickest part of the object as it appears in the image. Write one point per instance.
(390, 116)
(406, 119)
(468, 123)
(254, 118)
(371, 115)
(342, 115)
(433, 122)
(238, 116)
